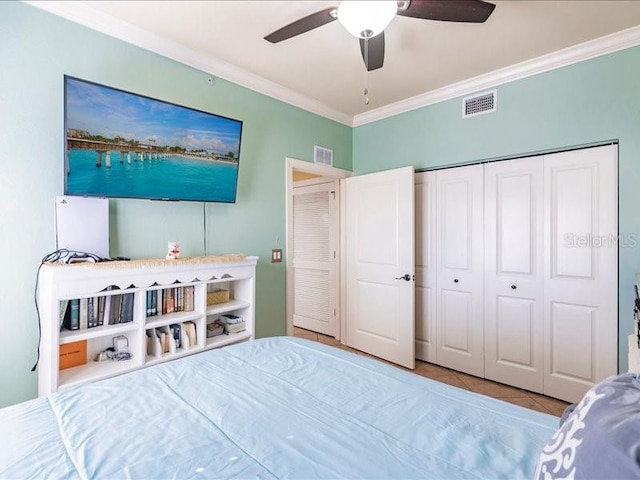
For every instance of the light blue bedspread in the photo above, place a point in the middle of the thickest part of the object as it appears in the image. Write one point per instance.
(272, 408)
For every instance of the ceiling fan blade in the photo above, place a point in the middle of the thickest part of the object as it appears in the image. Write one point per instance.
(303, 25)
(471, 11)
(375, 50)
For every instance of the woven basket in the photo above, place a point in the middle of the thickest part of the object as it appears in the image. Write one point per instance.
(217, 296)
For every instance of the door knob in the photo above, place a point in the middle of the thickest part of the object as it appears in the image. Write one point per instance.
(406, 277)
(455, 280)
(513, 287)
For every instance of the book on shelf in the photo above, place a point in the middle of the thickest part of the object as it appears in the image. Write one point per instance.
(168, 304)
(72, 354)
(115, 302)
(170, 300)
(126, 308)
(92, 312)
(154, 302)
(84, 324)
(189, 331)
(148, 299)
(188, 298)
(166, 339)
(72, 317)
(101, 310)
(64, 311)
(175, 334)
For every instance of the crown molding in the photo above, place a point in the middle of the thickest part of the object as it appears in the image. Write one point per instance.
(82, 14)
(568, 56)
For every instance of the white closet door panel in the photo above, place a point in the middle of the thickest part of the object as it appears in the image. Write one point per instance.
(515, 318)
(455, 315)
(457, 196)
(572, 353)
(379, 252)
(516, 233)
(581, 284)
(314, 271)
(514, 272)
(425, 184)
(459, 266)
(425, 322)
(573, 214)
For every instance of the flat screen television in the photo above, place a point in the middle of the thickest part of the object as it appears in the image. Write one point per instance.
(123, 145)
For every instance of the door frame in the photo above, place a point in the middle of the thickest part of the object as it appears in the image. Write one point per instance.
(326, 173)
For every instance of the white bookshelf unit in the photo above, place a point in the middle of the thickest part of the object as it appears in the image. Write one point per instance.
(66, 282)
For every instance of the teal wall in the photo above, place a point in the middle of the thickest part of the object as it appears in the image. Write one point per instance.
(593, 101)
(36, 50)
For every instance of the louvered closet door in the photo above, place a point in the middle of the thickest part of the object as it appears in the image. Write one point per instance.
(581, 270)
(460, 304)
(514, 271)
(314, 276)
(425, 194)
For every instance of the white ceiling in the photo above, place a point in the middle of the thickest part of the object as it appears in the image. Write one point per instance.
(323, 68)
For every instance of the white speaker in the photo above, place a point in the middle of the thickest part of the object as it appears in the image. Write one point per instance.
(82, 224)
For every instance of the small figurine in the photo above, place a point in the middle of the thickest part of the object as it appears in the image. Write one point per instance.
(174, 251)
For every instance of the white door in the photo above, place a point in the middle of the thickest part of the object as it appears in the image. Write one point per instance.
(581, 270)
(314, 227)
(459, 297)
(379, 256)
(514, 288)
(425, 225)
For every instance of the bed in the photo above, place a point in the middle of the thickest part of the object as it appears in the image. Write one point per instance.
(277, 407)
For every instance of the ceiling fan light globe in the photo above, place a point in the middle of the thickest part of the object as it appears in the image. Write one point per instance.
(365, 19)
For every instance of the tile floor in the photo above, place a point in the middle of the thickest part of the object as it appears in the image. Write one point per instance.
(520, 397)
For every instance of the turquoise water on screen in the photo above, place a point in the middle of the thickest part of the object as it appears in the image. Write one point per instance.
(167, 178)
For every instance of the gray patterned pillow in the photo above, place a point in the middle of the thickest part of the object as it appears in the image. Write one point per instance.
(599, 438)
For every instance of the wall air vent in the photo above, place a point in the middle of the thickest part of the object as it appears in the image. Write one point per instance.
(484, 102)
(322, 155)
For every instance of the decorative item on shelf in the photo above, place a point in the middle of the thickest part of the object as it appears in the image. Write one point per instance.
(214, 329)
(217, 295)
(173, 251)
(232, 323)
(119, 351)
(73, 354)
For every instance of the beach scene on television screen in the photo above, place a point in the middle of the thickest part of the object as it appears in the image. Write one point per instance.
(119, 144)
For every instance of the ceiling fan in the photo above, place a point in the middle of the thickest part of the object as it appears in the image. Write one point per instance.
(367, 20)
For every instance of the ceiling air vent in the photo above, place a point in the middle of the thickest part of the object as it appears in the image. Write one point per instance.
(480, 103)
(322, 155)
